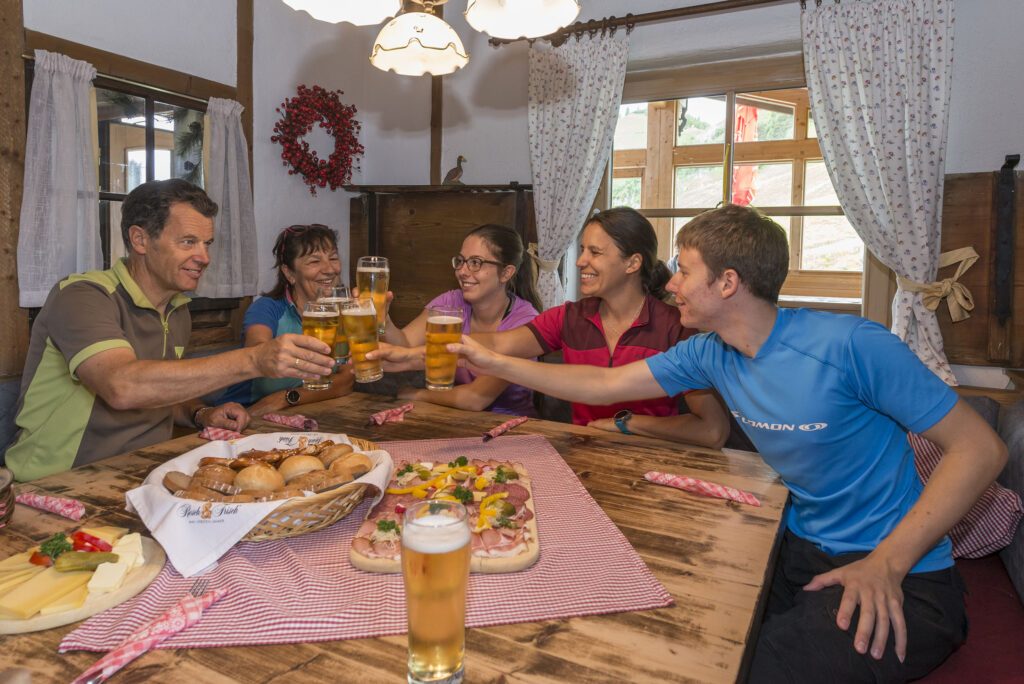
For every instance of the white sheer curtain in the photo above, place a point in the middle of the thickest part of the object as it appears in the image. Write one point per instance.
(233, 262)
(59, 229)
(575, 91)
(878, 76)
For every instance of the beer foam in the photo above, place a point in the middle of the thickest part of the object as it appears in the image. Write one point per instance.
(332, 300)
(445, 320)
(435, 534)
(372, 269)
(319, 314)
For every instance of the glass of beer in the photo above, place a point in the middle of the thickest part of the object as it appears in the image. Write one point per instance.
(320, 320)
(444, 326)
(337, 295)
(435, 567)
(360, 322)
(372, 279)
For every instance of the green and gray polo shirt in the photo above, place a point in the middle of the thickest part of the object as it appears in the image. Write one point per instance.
(63, 424)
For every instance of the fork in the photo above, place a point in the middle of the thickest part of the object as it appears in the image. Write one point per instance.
(198, 588)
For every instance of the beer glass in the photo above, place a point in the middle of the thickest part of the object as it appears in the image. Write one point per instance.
(337, 295)
(360, 323)
(444, 326)
(372, 279)
(435, 568)
(320, 320)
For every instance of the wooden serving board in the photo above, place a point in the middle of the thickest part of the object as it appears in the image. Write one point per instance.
(481, 564)
(137, 580)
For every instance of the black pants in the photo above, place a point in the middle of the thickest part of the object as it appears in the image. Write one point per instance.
(800, 642)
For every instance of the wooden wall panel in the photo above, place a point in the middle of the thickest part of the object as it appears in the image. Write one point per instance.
(421, 231)
(969, 219)
(14, 327)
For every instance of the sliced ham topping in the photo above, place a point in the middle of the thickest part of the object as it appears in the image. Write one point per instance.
(517, 494)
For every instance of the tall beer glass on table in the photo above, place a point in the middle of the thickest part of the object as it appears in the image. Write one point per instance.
(435, 568)
(337, 295)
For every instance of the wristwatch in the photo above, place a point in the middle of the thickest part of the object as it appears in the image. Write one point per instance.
(292, 396)
(622, 419)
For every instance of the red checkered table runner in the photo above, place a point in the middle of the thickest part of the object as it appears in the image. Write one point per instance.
(304, 589)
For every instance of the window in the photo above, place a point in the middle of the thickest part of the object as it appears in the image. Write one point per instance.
(143, 135)
(675, 158)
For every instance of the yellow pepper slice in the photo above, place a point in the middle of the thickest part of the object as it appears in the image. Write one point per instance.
(481, 482)
(488, 500)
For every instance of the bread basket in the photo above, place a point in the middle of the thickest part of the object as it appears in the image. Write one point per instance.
(303, 515)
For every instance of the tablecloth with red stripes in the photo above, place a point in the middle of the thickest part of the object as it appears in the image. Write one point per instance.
(304, 589)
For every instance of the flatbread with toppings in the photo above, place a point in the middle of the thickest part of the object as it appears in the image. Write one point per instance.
(499, 507)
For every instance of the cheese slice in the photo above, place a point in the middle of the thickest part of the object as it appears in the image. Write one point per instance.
(73, 601)
(15, 560)
(108, 577)
(44, 588)
(129, 548)
(10, 580)
(107, 533)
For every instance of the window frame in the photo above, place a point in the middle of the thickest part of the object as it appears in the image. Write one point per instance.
(781, 76)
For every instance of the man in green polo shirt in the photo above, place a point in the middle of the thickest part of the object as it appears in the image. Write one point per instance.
(105, 372)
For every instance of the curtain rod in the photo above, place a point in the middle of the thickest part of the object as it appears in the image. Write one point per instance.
(630, 20)
(137, 84)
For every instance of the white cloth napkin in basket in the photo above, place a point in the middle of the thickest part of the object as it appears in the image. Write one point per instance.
(194, 533)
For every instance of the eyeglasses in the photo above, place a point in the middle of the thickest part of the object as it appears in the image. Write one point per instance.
(294, 231)
(474, 264)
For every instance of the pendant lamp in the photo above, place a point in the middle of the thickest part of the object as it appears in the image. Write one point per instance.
(513, 19)
(358, 12)
(417, 43)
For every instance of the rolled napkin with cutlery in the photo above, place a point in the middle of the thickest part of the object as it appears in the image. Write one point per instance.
(697, 486)
(69, 508)
(391, 415)
(296, 421)
(504, 427)
(214, 433)
(180, 617)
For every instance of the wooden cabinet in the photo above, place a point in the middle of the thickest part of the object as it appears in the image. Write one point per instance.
(419, 228)
(969, 219)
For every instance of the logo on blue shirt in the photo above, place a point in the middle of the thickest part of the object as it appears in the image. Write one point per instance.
(778, 427)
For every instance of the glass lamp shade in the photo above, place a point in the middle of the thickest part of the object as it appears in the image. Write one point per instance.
(358, 12)
(520, 18)
(417, 43)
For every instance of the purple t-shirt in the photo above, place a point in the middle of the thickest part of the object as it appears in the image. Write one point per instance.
(516, 399)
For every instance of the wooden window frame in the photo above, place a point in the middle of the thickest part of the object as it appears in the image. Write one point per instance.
(781, 77)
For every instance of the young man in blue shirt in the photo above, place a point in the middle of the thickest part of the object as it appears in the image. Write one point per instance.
(865, 588)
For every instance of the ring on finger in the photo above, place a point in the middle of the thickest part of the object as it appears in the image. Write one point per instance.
(297, 361)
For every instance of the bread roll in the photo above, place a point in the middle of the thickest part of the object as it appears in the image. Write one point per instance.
(358, 464)
(198, 493)
(177, 482)
(311, 481)
(294, 466)
(338, 468)
(332, 453)
(216, 473)
(260, 477)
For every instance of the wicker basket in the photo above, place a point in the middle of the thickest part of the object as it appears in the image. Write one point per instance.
(302, 515)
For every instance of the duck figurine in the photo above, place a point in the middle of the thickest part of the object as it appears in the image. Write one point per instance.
(454, 176)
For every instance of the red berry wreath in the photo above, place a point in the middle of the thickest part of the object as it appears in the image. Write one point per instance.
(298, 115)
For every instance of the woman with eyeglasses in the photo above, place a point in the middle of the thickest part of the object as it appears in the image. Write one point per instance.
(495, 293)
(620, 318)
(306, 259)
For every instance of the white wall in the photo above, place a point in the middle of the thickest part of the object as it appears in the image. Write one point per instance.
(193, 36)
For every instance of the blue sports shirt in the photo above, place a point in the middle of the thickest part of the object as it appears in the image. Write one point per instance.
(828, 401)
(281, 316)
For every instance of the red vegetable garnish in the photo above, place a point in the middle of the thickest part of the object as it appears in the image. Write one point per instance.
(87, 542)
(399, 508)
(40, 558)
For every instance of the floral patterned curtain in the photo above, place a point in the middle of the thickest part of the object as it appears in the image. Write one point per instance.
(575, 91)
(878, 76)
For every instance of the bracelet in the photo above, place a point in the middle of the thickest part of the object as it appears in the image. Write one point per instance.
(195, 416)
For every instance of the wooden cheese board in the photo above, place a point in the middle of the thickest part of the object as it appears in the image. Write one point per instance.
(136, 580)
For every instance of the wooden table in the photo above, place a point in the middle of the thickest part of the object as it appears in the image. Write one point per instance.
(713, 556)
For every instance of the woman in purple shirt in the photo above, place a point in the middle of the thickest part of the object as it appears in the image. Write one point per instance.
(495, 293)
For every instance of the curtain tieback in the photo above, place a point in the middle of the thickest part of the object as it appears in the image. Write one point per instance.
(542, 264)
(958, 297)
